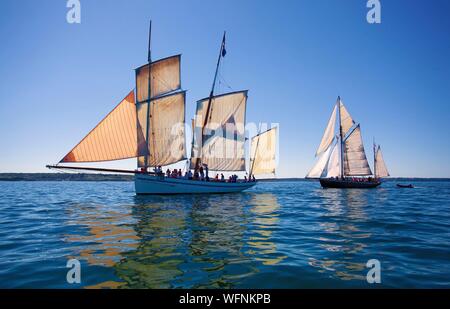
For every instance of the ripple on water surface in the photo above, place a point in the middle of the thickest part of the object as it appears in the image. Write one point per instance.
(289, 234)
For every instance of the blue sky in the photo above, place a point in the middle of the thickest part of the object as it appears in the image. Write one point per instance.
(295, 57)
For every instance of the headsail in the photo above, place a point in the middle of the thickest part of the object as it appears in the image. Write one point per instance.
(355, 160)
(328, 163)
(328, 135)
(332, 168)
(221, 146)
(380, 166)
(318, 168)
(263, 152)
(114, 138)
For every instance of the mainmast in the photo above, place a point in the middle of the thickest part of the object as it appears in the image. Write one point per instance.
(341, 143)
(211, 94)
(149, 59)
(374, 159)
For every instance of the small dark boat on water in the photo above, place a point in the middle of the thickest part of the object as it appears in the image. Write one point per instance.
(342, 161)
(405, 186)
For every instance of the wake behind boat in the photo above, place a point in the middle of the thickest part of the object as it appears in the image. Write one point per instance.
(342, 161)
(149, 125)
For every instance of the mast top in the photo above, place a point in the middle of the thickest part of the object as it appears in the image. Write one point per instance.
(149, 56)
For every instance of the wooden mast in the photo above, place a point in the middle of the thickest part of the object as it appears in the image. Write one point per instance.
(149, 59)
(341, 143)
(374, 159)
(211, 94)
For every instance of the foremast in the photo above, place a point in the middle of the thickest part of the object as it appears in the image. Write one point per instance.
(149, 60)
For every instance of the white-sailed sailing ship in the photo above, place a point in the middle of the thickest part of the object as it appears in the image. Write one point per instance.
(149, 125)
(342, 161)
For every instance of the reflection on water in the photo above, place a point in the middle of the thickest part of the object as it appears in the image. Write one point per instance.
(109, 233)
(285, 234)
(265, 208)
(341, 236)
(187, 241)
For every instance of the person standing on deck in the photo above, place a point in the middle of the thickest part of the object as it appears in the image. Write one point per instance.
(206, 172)
(202, 173)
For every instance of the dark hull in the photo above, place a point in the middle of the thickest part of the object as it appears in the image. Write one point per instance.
(405, 186)
(339, 183)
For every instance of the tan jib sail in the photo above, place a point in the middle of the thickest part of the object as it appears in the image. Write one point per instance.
(355, 160)
(221, 146)
(165, 78)
(114, 138)
(346, 120)
(263, 152)
(380, 166)
(328, 135)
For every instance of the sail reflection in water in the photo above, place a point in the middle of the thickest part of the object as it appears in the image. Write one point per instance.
(265, 207)
(340, 235)
(187, 241)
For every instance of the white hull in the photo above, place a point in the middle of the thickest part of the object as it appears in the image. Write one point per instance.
(150, 184)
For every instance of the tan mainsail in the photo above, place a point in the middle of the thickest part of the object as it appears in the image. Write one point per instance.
(114, 138)
(141, 110)
(263, 152)
(222, 145)
(328, 135)
(166, 138)
(380, 166)
(165, 78)
(346, 120)
(355, 160)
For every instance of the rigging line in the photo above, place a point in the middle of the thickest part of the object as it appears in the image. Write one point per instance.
(222, 79)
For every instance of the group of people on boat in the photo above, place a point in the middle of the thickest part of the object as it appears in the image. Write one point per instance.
(355, 179)
(201, 173)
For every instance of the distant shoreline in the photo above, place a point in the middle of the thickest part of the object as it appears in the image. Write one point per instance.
(118, 177)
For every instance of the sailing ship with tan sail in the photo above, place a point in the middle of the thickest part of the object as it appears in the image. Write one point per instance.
(149, 124)
(342, 161)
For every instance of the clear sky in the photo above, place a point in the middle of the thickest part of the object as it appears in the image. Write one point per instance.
(58, 79)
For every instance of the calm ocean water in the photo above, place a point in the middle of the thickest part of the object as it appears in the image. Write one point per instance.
(277, 235)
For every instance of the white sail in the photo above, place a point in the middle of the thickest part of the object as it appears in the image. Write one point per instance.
(328, 135)
(380, 166)
(355, 160)
(346, 120)
(319, 167)
(333, 166)
(263, 152)
(222, 145)
(114, 138)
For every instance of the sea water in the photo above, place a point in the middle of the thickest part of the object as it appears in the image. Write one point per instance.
(284, 234)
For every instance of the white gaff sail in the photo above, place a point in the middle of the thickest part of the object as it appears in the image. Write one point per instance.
(263, 152)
